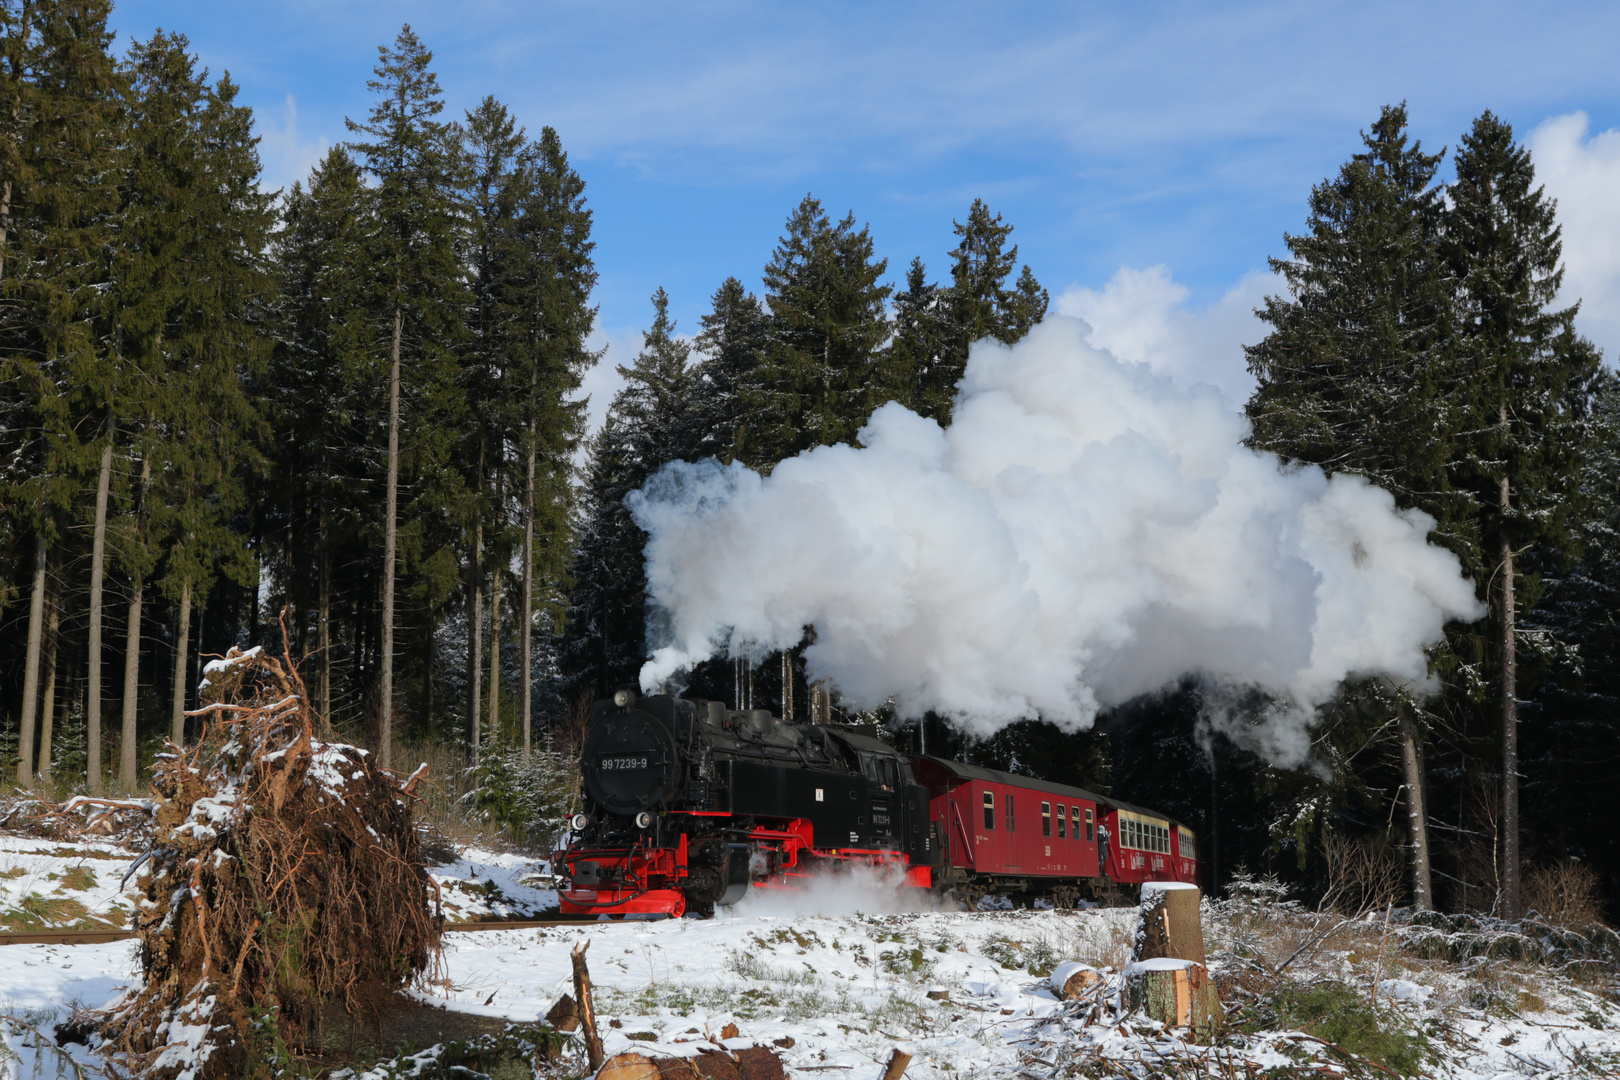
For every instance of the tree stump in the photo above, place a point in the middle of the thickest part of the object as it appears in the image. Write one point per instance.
(1071, 979)
(1177, 993)
(1167, 976)
(1167, 923)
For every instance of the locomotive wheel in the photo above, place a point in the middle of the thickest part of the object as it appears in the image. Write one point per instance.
(706, 877)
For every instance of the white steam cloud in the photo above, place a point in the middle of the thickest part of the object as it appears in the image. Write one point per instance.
(1084, 532)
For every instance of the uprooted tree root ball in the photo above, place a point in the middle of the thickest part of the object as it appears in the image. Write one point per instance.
(285, 874)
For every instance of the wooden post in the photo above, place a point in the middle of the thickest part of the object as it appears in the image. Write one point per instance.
(587, 1008)
(897, 1064)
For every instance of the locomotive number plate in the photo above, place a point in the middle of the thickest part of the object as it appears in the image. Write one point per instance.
(619, 764)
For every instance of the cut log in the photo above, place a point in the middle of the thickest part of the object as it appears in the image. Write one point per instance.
(715, 1065)
(1071, 979)
(1178, 994)
(1167, 925)
(628, 1067)
(760, 1063)
(754, 1063)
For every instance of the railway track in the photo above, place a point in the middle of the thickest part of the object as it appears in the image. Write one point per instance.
(101, 937)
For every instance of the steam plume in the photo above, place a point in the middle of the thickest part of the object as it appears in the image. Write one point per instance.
(1084, 532)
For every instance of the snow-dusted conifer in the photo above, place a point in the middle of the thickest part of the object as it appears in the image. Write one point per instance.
(1527, 375)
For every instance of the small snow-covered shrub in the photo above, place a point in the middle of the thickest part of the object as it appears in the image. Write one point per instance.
(1342, 1015)
(528, 800)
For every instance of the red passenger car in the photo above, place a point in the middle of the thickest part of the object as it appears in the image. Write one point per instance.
(994, 832)
(1144, 845)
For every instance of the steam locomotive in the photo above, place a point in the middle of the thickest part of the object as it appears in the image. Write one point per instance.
(689, 804)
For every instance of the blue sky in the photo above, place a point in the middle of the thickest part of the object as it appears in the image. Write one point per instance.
(1150, 155)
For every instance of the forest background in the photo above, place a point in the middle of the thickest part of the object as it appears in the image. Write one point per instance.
(356, 401)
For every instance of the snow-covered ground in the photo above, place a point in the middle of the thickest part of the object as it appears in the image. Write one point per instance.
(834, 985)
(493, 885)
(48, 885)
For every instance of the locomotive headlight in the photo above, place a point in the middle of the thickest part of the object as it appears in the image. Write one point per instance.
(643, 820)
(624, 698)
(578, 822)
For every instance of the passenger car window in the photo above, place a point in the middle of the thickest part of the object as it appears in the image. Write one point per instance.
(1046, 819)
(1090, 824)
(1063, 823)
(990, 811)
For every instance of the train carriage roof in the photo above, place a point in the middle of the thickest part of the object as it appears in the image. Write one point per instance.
(976, 772)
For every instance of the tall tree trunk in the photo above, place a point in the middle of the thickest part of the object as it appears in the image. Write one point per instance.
(475, 641)
(36, 638)
(787, 685)
(427, 670)
(495, 655)
(128, 759)
(98, 562)
(385, 681)
(47, 712)
(323, 692)
(1510, 733)
(1416, 817)
(182, 641)
(527, 638)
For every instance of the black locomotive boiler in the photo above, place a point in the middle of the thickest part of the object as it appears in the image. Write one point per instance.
(688, 804)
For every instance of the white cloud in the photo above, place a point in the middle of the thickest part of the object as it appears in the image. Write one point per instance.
(602, 381)
(1142, 316)
(284, 153)
(1582, 171)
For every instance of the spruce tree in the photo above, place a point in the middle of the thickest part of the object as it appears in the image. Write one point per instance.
(1352, 373)
(217, 340)
(921, 339)
(152, 288)
(322, 458)
(59, 88)
(417, 283)
(828, 322)
(549, 274)
(976, 305)
(1356, 374)
(1527, 376)
(492, 141)
(735, 335)
(650, 422)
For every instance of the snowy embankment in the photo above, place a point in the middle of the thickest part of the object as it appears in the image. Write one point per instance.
(834, 987)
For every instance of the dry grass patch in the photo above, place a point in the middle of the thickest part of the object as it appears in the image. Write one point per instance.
(79, 879)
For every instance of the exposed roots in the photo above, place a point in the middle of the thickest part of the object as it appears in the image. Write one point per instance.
(284, 874)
